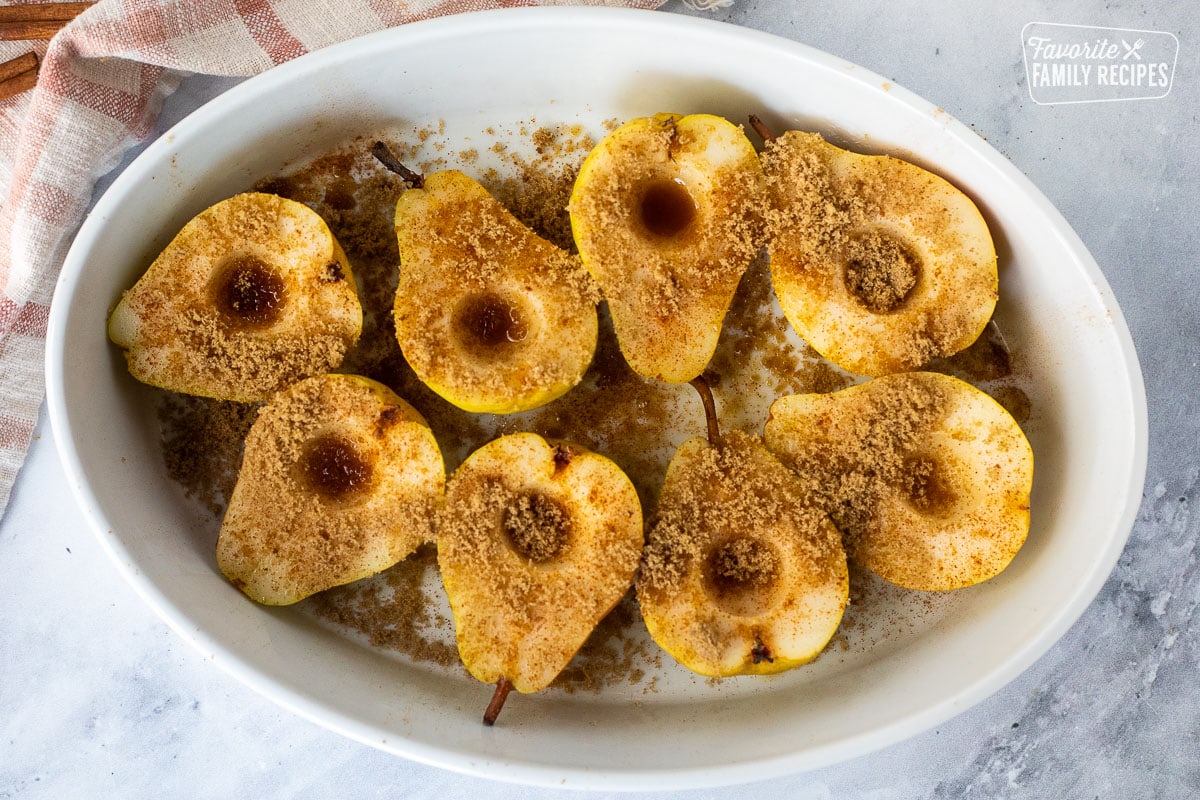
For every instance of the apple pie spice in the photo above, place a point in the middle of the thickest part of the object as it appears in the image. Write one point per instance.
(613, 411)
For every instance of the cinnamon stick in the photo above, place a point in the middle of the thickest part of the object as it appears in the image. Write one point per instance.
(18, 75)
(39, 21)
(13, 68)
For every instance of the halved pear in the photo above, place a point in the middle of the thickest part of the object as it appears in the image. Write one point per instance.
(252, 295)
(665, 215)
(489, 315)
(878, 264)
(927, 477)
(741, 573)
(341, 479)
(538, 541)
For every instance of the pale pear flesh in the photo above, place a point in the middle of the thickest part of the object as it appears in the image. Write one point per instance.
(521, 614)
(180, 325)
(665, 216)
(341, 479)
(935, 476)
(489, 315)
(878, 264)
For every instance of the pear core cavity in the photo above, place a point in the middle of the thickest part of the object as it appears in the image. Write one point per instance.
(927, 488)
(741, 575)
(488, 322)
(248, 293)
(537, 526)
(881, 271)
(334, 468)
(667, 208)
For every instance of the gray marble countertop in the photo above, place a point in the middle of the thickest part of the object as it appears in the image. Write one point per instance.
(99, 699)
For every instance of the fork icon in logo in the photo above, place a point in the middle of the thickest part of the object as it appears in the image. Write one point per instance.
(1132, 49)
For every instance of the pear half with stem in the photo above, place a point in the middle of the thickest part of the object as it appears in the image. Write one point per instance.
(489, 315)
(878, 264)
(252, 295)
(341, 479)
(538, 542)
(665, 215)
(927, 477)
(741, 574)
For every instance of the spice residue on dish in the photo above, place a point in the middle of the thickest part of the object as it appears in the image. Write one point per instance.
(636, 422)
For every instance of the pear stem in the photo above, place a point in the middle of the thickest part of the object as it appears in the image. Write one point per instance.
(503, 687)
(761, 128)
(385, 156)
(710, 407)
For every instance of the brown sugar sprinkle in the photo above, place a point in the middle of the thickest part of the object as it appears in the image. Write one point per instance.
(613, 411)
(880, 271)
(202, 444)
(279, 361)
(755, 328)
(612, 654)
(744, 563)
(822, 215)
(537, 189)
(538, 527)
(391, 610)
(539, 199)
(847, 476)
(543, 138)
(732, 487)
